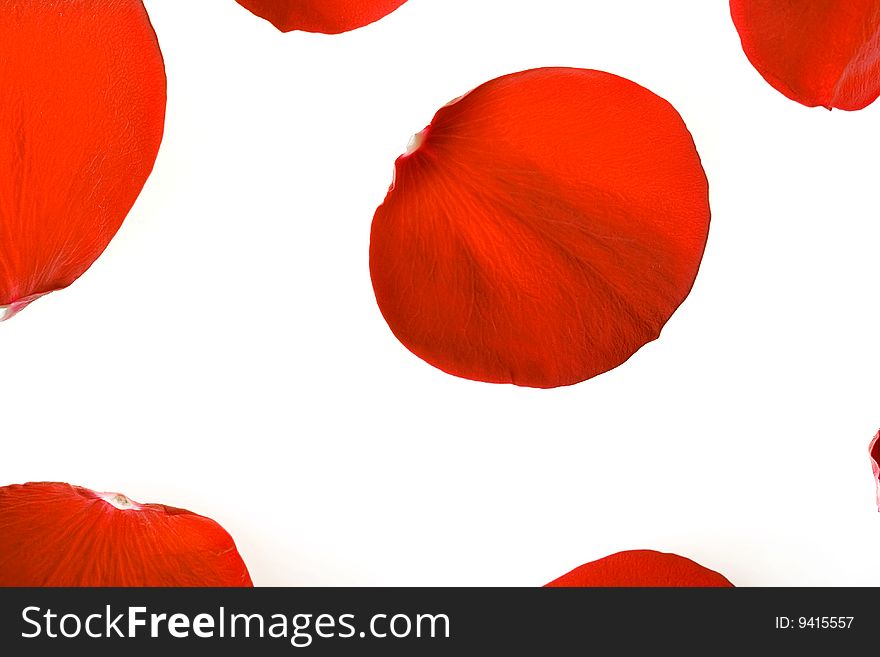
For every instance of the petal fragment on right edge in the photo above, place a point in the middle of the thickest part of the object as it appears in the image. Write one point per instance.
(874, 452)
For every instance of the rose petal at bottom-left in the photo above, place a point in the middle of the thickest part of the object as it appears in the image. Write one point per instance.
(55, 534)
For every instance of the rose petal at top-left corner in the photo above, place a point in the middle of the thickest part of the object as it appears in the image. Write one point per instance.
(82, 112)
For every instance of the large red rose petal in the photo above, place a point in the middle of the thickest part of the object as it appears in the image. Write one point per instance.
(82, 111)
(541, 229)
(324, 16)
(817, 52)
(642, 568)
(54, 534)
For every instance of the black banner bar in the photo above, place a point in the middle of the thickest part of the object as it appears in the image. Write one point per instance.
(436, 621)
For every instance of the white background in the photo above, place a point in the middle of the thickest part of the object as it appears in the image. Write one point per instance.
(226, 353)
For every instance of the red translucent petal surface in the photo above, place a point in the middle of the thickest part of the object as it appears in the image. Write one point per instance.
(82, 110)
(54, 534)
(325, 16)
(817, 52)
(874, 451)
(542, 229)
(642, 568)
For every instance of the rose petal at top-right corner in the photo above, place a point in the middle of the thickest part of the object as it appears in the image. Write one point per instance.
(816, 52)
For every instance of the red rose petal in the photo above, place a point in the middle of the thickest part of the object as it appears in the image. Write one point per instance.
(82, 110)
(542, 229)
(54, 534)
(817, 52)
(874, 451)
(635, 568)
(325, 16)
